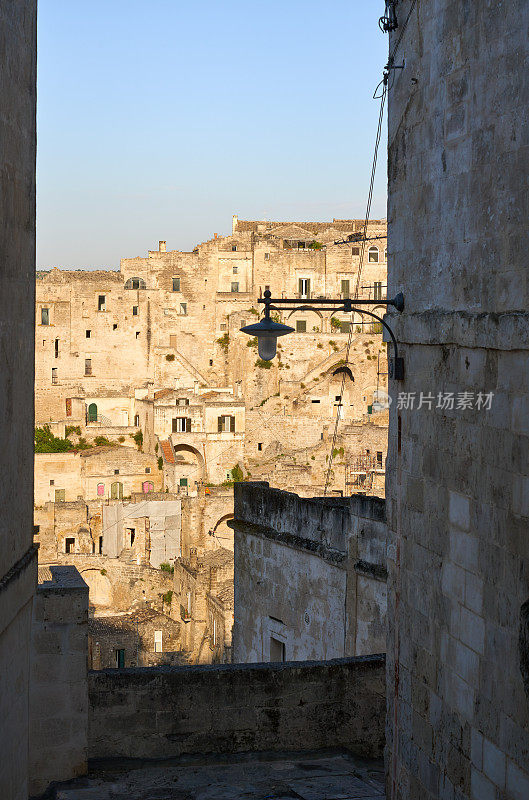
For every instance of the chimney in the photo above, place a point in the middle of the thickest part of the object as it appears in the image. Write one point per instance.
(234, 222)
(162, 247)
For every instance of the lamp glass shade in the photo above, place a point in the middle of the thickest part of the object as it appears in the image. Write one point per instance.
(267, 345)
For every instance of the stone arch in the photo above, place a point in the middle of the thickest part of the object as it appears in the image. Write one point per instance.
(222, 532)
(99, 587)
(312, 316)
(182, 447)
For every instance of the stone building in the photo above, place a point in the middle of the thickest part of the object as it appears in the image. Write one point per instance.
(310, 576)
(99, 472)
(458, 474)
(18, 556)
(140, 638)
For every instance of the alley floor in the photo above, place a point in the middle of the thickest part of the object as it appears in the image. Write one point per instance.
(316, 776)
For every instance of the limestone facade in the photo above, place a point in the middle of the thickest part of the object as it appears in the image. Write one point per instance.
(458, 476)
(18, 562)
(310, 576)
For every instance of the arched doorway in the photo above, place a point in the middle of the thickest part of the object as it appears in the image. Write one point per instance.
(92, 412)
(148, 486)
(189, 464)
(99, 587)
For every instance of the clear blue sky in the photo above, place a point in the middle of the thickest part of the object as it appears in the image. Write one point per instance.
(161, 119)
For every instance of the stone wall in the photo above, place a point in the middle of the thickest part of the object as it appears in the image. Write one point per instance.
(309, 575)
(458, 477)
(165, 712)
(17, 298)
(58, 686)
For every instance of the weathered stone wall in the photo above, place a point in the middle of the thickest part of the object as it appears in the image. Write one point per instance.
(58, 683)
(309, 574)
(165, 712)
(458, 478)
(17, 298)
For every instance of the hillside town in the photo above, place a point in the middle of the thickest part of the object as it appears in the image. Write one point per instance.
(150, 404)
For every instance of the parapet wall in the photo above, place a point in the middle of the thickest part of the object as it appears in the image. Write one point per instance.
(165, 712)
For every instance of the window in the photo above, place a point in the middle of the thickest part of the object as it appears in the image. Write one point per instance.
(148, 486)
(56, 348)
(147, 470)
(226, 424)
(158, 641)
(304, 287)
(100, 489)
(183, 481)
(235, 270)
(183, 309)
(338, 397)
(120, 658)
(176, 284)
(315, 401)
(372, 255)
(182, 401)
(210, 362)
(267, 256)
(131, 535)
(45, 316)
(92, 412)
(377, 290)
(301, 326)
(54, 376)
(88, 334)
(88, 366)
(114, 327)
(101, 302)
(100, 546)
(137, 334)
(379, 458)
(277, 650)
(137, 420)
(235, 286)
(345, 327)
(234, 248)
(116, 472)
(116, 491)
(223, 327)
(69, 545)
(52, 483)
(355, 251)
(182, 425)
(134, 311)
(345, 289)
(259, 445)
(135, 283)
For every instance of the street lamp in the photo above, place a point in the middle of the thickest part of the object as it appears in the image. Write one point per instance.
(267, 330)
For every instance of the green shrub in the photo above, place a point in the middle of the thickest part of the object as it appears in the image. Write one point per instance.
(166, 567)
(170, 357)
(252, 342)
(103, 571)
(160, 463)
(138, 438)
(46, 442)
(335, 323)
(224, 342)
(263, 364)
(73, 429)
(167, 597)
(102, 441)
(121, 439)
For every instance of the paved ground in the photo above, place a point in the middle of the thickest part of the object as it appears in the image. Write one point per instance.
(314, 776)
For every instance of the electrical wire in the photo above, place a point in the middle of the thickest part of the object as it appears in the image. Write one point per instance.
(362, 254)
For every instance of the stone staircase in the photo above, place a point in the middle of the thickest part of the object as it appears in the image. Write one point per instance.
(167, 451)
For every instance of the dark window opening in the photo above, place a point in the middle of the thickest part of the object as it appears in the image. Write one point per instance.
(176, 284)
(379, 458)
(183, 481)
(277, 650)
(235, 286)
(120, 658)
(56, 348)
(52, 483)
(345, 289)
(45, 316)
(54, 375)
(345, 327)
(315, 401)
(147, 470)
(182, 425)
(114, 327)
(88, 334)
(137, 334)
(69, 545)
(210, 362)
(137, 420)
(259, 445)
(134, 311)
(100, 545)
(88, 366)
(101, 302)
(234, 248)
(116, 472)
(355, 251)
(226, 424)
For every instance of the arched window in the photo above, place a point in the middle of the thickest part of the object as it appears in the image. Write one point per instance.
(372, 255)
(135, 283)
(100, 489)
(92, 412)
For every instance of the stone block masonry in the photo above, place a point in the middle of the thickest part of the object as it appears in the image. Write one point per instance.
(58, 678)
(165, 712)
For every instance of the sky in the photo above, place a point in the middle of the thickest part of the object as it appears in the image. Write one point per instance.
(161, 119)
